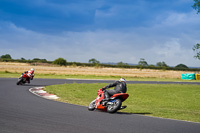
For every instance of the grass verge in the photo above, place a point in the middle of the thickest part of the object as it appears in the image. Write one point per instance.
(180, 102)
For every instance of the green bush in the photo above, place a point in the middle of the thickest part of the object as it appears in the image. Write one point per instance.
(6, 56)
(60, 61)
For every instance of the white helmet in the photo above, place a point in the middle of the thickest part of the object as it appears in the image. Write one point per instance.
(32, 69)
(122, 80)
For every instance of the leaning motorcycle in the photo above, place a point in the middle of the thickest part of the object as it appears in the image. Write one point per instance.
(112, 106)
(22, 79)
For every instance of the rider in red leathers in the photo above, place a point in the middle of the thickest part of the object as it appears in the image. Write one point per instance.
(30, 74)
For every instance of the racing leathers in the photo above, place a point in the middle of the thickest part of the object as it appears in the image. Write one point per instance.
(120, 87)
(30, 75)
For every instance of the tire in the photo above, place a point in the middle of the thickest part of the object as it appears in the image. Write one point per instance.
(19, 82)
(112, 108)
(91, 106)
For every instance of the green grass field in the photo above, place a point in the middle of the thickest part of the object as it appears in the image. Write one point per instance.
(180, 102)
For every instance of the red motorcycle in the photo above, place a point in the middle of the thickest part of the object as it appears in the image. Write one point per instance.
(112, 106)
(22, 79)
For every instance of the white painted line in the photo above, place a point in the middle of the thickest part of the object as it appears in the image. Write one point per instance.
(90, 79)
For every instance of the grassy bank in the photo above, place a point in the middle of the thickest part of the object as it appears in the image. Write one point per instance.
(180, 102)
(7, 74)
(59, 71)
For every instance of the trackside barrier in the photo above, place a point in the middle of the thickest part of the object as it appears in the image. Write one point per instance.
(197, 76)
(188, 76)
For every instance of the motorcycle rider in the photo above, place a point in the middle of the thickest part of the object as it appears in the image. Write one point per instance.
(120, 87)
(30, 74)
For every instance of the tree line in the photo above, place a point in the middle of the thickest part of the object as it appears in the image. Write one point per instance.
(142, 64)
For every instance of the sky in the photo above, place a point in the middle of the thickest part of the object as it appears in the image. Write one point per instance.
(107, 30)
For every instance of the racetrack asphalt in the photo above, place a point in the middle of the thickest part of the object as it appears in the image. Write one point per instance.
(23, 112)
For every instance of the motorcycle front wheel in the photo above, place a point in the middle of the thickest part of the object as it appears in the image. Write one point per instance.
(19, 82)
(114, 106)
(91, 106)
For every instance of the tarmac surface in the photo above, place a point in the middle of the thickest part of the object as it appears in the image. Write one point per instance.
(23, 112)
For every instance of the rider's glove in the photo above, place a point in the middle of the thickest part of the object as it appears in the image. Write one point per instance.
(103, 88)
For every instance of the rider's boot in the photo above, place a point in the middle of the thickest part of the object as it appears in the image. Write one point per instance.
(104, 102)
(107, 98)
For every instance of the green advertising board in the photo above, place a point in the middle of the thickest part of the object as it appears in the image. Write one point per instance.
(188, 76)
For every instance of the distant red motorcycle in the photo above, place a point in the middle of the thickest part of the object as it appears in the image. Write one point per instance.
(22, 79)
(112, 106)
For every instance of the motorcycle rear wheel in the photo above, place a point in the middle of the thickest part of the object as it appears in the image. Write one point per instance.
(91, 106)
(112, 108)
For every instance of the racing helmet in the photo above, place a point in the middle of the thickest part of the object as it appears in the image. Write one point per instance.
(122, 80)
(32, 69)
